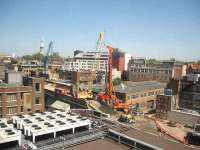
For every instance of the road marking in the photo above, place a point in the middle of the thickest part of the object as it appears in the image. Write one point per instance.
(171, 140)
(145, 131)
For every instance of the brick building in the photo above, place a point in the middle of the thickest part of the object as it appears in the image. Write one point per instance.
(193, 69)
(18, 98)
(165, 103)
(37, 85)
(119, 60)
(144, 70)
(141, 94)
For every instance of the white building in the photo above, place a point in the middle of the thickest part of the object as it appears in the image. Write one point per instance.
(89, 61)
(127, 58)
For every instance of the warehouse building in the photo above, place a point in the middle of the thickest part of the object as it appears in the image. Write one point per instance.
(162, 71)
(142, 95)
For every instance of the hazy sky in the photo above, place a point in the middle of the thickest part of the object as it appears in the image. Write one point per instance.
(145, 28)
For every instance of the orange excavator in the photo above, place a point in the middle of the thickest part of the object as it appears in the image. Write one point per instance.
(108, 97)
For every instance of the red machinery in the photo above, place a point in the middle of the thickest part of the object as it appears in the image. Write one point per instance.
(108, 96)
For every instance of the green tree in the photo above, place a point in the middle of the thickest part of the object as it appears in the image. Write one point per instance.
(27, 57)
(117, 81)
(38, 56)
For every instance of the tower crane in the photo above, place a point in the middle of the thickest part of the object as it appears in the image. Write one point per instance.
(46, 59)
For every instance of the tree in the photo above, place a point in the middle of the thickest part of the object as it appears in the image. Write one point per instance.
(38, 56)
(117, 81)
(27, 57)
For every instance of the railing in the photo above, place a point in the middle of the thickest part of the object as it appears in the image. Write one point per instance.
(72, 140)
(131, 142)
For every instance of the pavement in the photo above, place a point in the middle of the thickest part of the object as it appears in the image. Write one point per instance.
(158, 140)
(101, 144)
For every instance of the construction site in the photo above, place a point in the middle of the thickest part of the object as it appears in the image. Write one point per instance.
(88, 103)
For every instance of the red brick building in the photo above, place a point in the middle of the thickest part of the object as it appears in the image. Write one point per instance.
(193, 69)
(22, 99)
(119, 60)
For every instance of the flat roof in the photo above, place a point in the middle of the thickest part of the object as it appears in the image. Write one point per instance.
(134, 87)
(5, 85)
(49, 122)
(8, 133)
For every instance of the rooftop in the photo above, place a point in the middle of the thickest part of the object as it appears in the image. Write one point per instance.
(7, 132)
(134, 87)
(92, 55)
(194, 66)
(5, 85)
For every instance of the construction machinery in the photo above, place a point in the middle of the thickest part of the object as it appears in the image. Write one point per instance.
(108, 97)
(127, 117)
(46, 61)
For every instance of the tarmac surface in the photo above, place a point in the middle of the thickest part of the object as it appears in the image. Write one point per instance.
(101, 144)
(158, 141)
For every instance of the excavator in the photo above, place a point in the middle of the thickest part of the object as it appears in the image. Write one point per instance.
(108, 97)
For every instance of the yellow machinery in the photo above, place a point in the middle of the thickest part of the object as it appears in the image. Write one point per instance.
(127, 117)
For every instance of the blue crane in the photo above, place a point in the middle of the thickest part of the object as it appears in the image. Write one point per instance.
(46, 61)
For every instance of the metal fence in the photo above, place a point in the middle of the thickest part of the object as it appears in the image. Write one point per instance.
(72, 139)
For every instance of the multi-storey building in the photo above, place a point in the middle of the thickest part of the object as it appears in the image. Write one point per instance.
(89, 61)
(37, 85)
(17, 98)
(142, 95)
(143, 70)
(3, 67)
(120, 60)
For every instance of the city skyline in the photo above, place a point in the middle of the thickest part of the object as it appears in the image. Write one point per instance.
(152, 29)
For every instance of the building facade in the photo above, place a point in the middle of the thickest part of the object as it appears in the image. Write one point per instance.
(189, 95)
(89, 61)
(140, 94)
(20, 99)
(193, 69)
(121, 60)
(118, 60)
(143, 70)
(164, 104)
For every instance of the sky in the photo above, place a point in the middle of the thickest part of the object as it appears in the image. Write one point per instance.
(144, 28)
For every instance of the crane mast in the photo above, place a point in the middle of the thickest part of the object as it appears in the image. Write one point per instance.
(110, 86)
(46, 61)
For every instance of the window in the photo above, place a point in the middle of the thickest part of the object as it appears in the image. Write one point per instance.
(28, 109)
(133, 96)
(11, 110)
(150, 93)
(22, 109)
(21, 95)
(11, 97)
(37, 100)
(37, 87)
